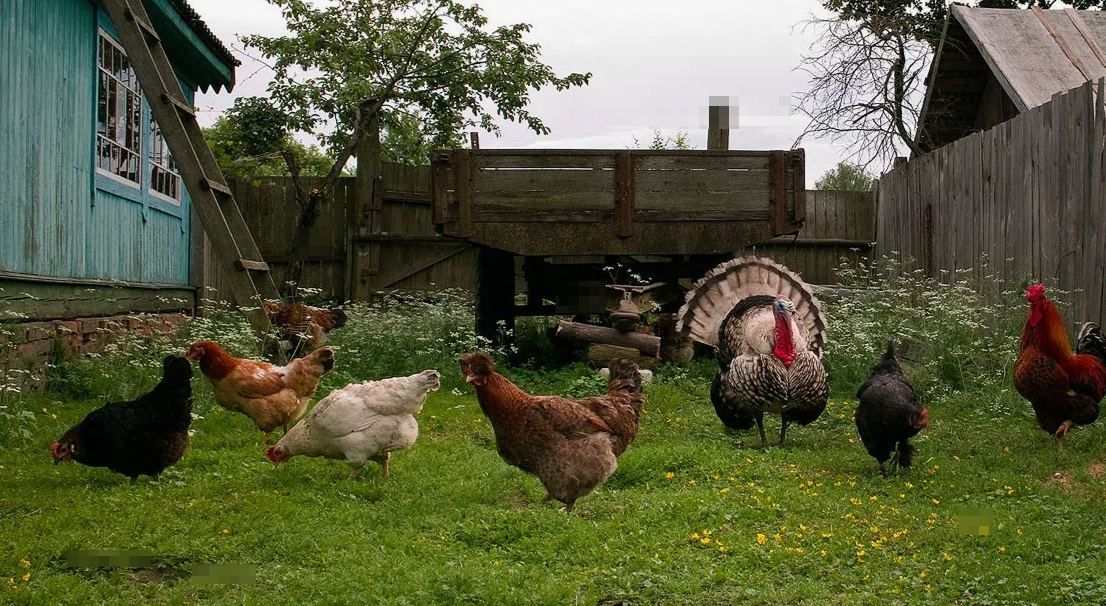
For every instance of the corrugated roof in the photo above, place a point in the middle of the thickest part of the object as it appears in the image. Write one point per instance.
(205, 34)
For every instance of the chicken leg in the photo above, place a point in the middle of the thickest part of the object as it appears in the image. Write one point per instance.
(1063, 431)
(783, 430)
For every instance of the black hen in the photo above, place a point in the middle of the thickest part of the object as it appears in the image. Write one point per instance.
(140, 437)
(889, 413)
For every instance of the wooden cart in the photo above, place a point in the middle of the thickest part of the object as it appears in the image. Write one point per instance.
(566, 215)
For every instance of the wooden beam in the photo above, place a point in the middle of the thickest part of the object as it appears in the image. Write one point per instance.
(718, 127)
(778, 193)
(439, 186)
(463, 189)
(249, 265)
(624, 194)
(646, 344)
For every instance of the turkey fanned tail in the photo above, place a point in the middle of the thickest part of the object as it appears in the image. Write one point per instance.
(732, 309)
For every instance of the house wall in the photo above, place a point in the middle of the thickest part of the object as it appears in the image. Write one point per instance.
(60, 218)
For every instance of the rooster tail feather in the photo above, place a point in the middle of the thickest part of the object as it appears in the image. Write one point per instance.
(713, 297)
(906, 453)
(1091, 341)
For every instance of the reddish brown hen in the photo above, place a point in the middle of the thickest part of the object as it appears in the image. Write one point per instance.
(1064, 388)
(302, 328)
(272, 396)
(571, 446)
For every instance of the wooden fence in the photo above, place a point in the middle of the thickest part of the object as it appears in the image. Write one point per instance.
(1027, 195)
(397, 239)
(840, 228)
(401, 250)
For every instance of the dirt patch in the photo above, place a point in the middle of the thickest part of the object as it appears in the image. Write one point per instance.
(162, 573)
(1096, 469)
(1059, 479)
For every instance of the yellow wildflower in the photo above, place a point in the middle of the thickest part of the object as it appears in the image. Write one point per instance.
(722, 549)
(1002, 550)
(761, 539)
(692, 482)
(936, 502)
(669, 475)
(26, 577)
(946, 556)
(25, 563)
(694, 536)
(705, 541)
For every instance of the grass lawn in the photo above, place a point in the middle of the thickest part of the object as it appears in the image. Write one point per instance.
(693, 515)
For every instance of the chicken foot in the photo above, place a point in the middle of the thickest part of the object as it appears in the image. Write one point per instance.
(783, 430)
(1063, 431)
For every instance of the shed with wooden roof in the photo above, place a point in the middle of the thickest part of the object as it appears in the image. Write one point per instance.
(993, 64)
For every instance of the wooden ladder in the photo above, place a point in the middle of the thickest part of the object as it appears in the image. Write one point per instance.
(248, 275)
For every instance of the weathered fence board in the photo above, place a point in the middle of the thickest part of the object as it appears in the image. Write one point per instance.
(840, 228)
(1027, 195)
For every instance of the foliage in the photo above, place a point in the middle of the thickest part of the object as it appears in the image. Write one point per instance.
(662, 141)
(248, 139)
(957, 339)
(437, 62)
(867, 72)
(845, 177)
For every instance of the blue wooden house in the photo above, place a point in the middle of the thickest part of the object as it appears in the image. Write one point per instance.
(94, 219)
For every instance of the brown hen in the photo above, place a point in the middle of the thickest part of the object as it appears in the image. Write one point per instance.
(570, 446)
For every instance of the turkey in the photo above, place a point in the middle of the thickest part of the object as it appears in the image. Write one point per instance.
(768, 332)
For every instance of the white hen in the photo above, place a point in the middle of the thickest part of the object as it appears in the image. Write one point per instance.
(360, 422)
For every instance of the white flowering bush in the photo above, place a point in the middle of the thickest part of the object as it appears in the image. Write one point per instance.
(957, 334)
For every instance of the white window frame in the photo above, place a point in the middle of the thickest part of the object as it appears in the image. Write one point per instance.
(104, 78)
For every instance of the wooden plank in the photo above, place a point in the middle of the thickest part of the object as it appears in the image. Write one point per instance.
(544, 216)
(705, 161)
(1061, 42)
(533, 161)
(540, 201)
(624, 194)
(439, 185)
(739, 202)
(703, 180)
(541, 180)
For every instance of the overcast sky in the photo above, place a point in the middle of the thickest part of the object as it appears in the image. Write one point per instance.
(654, 66)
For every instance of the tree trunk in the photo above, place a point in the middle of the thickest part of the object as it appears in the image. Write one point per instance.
(361, 219)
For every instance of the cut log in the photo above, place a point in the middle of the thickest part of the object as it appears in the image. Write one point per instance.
(648, 345)
(602, 354)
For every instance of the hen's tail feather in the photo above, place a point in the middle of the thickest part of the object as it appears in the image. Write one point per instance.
(906, 453)
(625, 376)
(713, 297)
(1091, 341)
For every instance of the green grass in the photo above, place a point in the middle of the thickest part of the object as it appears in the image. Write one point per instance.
(693, 515)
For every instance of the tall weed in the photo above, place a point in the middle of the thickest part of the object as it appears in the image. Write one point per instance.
(957, 334)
